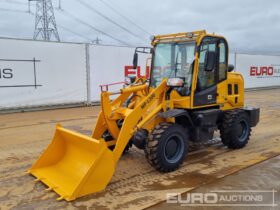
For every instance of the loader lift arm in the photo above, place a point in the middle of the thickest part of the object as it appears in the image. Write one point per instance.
(134, 118)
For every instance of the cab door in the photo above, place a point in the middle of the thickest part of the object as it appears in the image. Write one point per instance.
(209, 77)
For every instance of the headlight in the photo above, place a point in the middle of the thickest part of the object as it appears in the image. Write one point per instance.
(175, 82)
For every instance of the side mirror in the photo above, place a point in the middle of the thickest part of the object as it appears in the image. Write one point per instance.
(210, 61)
(230, 68)
(175, 82)
(135, 60)
(129, 80)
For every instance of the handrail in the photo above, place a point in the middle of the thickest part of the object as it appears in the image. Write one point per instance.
(110, 84)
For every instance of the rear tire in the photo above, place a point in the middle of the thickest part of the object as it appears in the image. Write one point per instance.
(167, 147)
(235, 129)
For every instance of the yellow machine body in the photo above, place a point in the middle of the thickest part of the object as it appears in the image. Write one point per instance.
(75, 165)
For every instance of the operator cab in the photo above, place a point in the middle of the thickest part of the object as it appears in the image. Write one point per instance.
(178, 57)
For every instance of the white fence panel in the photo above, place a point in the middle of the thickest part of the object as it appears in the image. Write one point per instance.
(110, 64)
(259, 70)
(34, 73)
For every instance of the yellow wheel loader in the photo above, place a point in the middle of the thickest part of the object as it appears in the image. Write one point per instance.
(192, 91)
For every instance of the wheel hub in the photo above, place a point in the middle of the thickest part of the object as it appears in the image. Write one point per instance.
(173, 149)
(242, 130)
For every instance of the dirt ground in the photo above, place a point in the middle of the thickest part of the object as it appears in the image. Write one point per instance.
(135, 184)
(260, 177)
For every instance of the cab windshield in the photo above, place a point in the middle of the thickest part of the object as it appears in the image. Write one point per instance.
(173, 60)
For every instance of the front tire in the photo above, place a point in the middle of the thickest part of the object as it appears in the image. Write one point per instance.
(167, 146)
(235, 129)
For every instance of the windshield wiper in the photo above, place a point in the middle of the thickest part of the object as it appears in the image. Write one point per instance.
(176, 64)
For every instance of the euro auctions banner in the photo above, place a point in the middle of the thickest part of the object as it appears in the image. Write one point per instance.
(259, 70)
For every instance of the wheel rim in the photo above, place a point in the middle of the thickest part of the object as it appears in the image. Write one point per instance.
(242, 130)
(174, 148)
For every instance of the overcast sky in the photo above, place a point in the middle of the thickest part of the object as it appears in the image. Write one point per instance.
(249, 25)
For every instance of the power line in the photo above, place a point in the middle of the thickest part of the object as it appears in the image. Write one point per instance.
(73, 32)
(17, 2)
(116, 6)
(69, 30)
(94, 28)
(63, 27)
(124, 17)
(110, 20)
(13, 10)
(13, 2)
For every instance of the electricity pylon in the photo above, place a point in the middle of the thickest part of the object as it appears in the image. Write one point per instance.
(45, 25)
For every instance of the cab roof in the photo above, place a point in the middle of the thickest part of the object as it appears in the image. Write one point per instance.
(178, 37)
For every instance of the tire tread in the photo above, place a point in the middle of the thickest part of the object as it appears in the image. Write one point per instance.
(228, 136)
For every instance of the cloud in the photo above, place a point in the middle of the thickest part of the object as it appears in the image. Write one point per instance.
(249, 26)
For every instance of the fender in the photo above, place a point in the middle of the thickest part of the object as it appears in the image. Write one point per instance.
(182, 116)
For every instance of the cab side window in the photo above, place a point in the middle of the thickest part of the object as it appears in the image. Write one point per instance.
(206, 79)
(222, 61)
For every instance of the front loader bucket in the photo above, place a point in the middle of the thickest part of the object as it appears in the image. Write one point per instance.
(74, 165)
